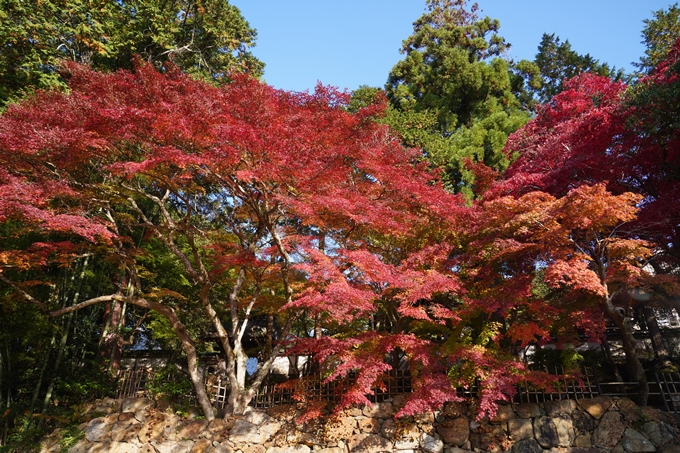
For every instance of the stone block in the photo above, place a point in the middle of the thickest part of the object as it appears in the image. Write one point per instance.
(597, 406)
(554, 431)
(379, 410)
(609, 431)
(430, 444)
(660, 433)
(521, 428)
(503, 414)
(559, 407)
(175, 446)
(193, 429)
(368, 443)
(97, 430)
(634, 442)
(369, 425)
(527, 446)
(529, 410)
(136, 404)
(455, 431)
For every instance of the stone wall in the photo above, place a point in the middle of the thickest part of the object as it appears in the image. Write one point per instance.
(598, 425)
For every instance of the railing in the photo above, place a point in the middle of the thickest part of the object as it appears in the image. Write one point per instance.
(664, 389)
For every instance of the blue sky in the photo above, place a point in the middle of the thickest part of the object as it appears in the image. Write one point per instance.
(350, 43)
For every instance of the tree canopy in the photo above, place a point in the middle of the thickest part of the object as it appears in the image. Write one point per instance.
(206, 38)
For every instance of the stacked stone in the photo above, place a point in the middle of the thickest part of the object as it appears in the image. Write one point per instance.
(598, 425)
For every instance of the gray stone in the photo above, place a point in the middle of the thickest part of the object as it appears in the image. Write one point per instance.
(269, 429)
(205, 446)
(635, 442)
(554, 431)
(583, 441)
(114, 447)
(609, 431)
(289, 449)
(454, 432)
(406, 444)
(503, 414)
(389, 428)
(454, 409)
(81, 447)
(431, 444)
(136, 404)
(258, 418)
(192, 429)
(527, 446)
(175, 446)
(583, 422)
(660, 433)
(97, 430)
(668, 448)
(369, 425)
(243, 432)
(340, 428)
(596, 406)
(221, 448)
(330, 450)
(455, 450)
(559, 407)
(529, 410)
(521, 428)
(378, 410)
(368, 443)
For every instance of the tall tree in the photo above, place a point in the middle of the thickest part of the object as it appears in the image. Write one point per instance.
(237, 185)
(454, 83)
(659, 36)
(558, 63)
(207, 38)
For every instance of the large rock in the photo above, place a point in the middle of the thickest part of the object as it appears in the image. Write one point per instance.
(668, 448)
(116, 447)
(175, 446)
(290, 449)
(379, 410)
(554, 431)
(503, 414)
(488, 438)
(369, 425)
(597, 406)
(340, 428)
(243, 432)
(609, 431)
(97, 430)
(527, 446)
(389, 429)
(454, 432)
(660, 433)
(430, 444)
(583, 422)
(529, 410)
(454, 409)
(205, 446)
(368, 443)
(521, 428)
(136, 404)
(192, 429)
(635, 442)
(559, 407)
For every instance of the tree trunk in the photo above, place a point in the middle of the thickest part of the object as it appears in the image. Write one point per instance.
(661, 354)
(637, 373)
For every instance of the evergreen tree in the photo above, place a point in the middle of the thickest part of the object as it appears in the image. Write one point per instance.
(207, 38)
(456, 91)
